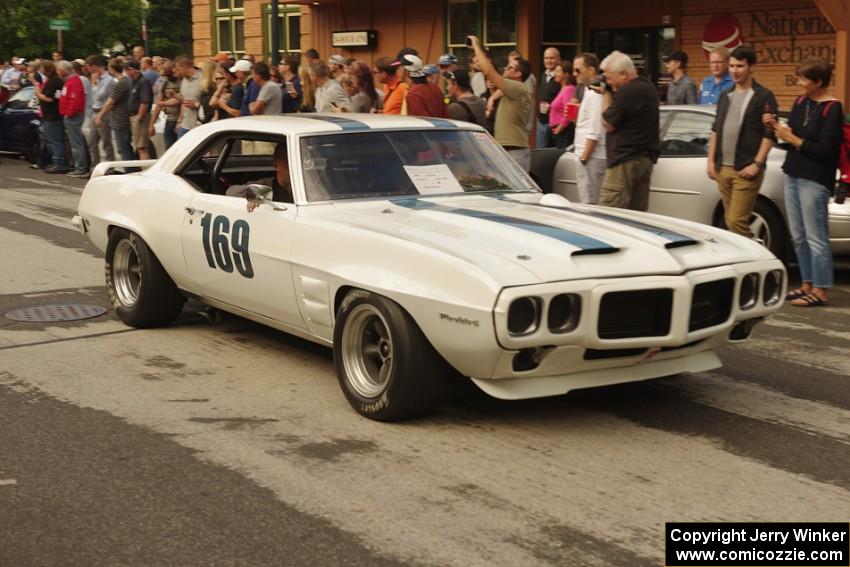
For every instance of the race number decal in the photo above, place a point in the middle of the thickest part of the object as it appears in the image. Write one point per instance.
(225, 248)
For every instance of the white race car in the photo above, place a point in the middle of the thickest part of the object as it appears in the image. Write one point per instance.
(418, 250)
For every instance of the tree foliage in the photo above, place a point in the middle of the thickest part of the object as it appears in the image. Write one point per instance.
(170, 27)
(95, 26)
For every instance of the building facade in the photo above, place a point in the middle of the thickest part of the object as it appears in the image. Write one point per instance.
(783, 32)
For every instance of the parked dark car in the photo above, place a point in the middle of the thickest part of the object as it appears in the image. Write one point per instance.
(20, 125)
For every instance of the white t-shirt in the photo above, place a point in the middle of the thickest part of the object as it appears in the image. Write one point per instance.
(589, 124)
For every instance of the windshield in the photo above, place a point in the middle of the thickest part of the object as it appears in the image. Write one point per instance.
(23, 95)
(384, 164)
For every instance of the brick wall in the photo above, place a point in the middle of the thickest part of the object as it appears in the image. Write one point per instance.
(201, 28)
(783, 33)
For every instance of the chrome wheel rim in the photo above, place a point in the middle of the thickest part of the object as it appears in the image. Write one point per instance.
(367, 351)
(760, 229)
(126, 273)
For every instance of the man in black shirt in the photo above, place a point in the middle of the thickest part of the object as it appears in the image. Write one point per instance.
(54, 131)
(632, 145)
(548, 90)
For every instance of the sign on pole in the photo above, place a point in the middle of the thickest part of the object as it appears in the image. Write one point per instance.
(60, 25)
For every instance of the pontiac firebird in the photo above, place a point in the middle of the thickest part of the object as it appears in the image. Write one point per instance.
(419, 251)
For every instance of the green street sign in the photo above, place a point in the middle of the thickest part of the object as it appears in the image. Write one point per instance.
(64, 25)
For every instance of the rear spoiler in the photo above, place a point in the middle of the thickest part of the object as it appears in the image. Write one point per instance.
(109, 167)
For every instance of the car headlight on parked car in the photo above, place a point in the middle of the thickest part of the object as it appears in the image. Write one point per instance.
(749, 293)
(524, 316)
(772, 288)
(564, 313)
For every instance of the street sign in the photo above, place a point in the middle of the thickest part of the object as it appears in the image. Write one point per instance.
(60, 25)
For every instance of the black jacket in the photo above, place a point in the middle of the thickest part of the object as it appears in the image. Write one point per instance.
(547, 91)
(752, 128)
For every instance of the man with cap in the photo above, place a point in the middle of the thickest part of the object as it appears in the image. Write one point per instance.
(432, 73)
(242, 70)
(11, 79)
(139, 102)
(466, 105)
(447, 62)
(423, 97)
(336, 66)
(515, 106)
(682, 89)
(72, 108)
(386, 72)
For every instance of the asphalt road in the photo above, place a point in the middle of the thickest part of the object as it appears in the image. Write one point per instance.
(231, 444)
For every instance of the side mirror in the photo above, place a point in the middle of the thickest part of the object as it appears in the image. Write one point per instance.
(261, 194)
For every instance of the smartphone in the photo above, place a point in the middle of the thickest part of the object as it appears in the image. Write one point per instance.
(289, 86)
(468, 41)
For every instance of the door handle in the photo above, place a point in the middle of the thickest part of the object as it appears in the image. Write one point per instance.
(193, 210)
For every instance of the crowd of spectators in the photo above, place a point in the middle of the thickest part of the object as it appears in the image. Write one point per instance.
(607, 112)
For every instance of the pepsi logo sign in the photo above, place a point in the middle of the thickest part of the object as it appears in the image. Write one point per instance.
(722, 30)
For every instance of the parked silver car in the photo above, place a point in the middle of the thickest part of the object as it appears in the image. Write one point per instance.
(680, 187)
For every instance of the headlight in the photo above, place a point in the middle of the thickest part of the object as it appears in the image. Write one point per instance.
(749, 294)
(523, 316)
(564, 313)
(772, 291)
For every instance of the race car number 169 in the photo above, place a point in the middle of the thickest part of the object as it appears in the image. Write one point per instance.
(225, 248)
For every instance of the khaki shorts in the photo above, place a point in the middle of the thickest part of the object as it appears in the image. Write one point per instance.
(141, 137)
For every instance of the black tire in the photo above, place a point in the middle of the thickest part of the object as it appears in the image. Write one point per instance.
(768, 225)
(140, 290)
(413, 378)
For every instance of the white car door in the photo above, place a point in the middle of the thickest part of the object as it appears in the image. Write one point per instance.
(680, 186)
(241, 258)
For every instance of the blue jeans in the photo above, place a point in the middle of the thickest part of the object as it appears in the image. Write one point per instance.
(169, 133)
(544, 131)
(806, 203)
(54, 134)
(122, 143)
(74, 129)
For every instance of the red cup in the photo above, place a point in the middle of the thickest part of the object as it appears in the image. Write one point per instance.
(572, 111)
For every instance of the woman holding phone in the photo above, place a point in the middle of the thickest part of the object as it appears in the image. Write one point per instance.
(291, 87)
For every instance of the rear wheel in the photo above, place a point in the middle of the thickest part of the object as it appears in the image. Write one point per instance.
(767, 225)
(142, 293)
(386, 367)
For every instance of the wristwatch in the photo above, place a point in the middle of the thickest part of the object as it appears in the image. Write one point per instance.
(759, 164)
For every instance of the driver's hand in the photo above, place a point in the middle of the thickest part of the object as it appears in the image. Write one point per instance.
(252, 204)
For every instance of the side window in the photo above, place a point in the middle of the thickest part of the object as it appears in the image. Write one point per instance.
(199, 171)
(252, 161)
(687, 135)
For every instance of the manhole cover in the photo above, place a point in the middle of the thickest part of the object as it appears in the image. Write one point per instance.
(54, 313)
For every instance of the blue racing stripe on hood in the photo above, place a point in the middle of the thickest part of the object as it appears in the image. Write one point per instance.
(675, 239)
(345, 123)
(586, 244)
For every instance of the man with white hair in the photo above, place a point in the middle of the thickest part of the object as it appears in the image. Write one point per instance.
(549, 89)
(630, 116)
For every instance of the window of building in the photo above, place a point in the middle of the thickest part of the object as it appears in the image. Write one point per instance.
(560, 26)
(229, 26)
(289, 39)
(493, 21)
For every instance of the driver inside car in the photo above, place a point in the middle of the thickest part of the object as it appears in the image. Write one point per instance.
(281, 184)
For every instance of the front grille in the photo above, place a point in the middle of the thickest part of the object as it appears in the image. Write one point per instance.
(633, 314)
(711, 304)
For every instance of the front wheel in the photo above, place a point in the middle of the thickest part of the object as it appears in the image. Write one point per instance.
(141, 291)
(767, 225)
(386, 367)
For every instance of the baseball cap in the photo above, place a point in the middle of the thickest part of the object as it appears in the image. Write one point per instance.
(680, 56)
(19, 61)
(430, 69)
(132, 64)
(412, 64)
(447, 59)
(337, 60)
(461, 77)
(242, 65)
(79, 61)
(221, 57)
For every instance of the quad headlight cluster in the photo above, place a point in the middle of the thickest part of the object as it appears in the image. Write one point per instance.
(561, 314)
(752, 287)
